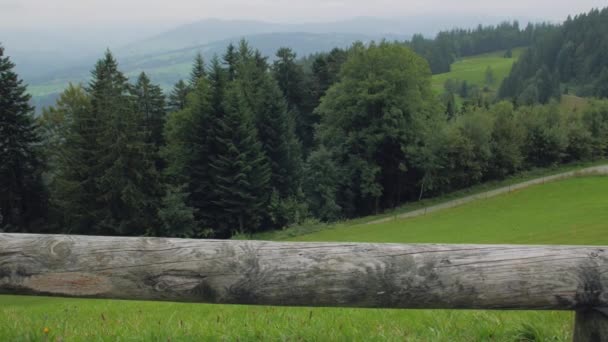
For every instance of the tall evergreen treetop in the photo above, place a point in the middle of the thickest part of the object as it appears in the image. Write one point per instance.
(178, 97)
(151, 104)
(21, 190)
(231, 61)
(198, 70)
(239, 168)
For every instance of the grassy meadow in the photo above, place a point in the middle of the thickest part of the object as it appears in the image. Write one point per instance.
(573, 211)
(472, 69)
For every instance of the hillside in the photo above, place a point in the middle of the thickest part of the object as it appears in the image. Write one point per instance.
(472, 69)
(574, 211)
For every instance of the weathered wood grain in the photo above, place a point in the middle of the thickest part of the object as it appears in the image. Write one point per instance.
(306, 274)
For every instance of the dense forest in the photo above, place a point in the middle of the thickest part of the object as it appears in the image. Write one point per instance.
(448, 46)
(246, 144)
(573, 58)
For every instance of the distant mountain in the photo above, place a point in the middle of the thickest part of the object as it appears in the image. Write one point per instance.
(167, 56)
(168, 67)
(211, 30)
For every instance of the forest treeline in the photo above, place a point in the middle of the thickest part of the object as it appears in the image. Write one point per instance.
(246, 144)
(448, 46)
(572, 58)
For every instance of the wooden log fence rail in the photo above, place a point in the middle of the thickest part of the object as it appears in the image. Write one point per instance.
(366, 275)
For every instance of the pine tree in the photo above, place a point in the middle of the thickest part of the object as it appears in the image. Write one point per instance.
(74, 157)
(277, 135)
(291, 80)
(231, 60)
(198, 70)
(150, 103)
(177, 218)
(239, 168)
(22, 194)
(128, 185)
(178, 97)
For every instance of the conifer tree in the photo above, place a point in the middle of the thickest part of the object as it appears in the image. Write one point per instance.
(74, 202)
(198, 70)
(178, 97)
(22, 194)
(231, 60)
(187, 153)
(128, 184)
(239, 168)
(291, 80)
(150, 103)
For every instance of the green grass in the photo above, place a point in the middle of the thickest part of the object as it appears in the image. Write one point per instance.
(312, 227)
(473, 69)
(573, 211)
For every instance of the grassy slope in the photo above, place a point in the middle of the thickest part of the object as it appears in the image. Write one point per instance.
(473, 69)
(573, 211)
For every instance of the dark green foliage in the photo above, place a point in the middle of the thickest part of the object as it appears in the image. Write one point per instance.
(128, 187)
(447, 46)
(74, 187)
(506, 143)
(321, 182)
(601, 86)
(239, 169)
(546, 141)
(198, 70)
(274, 123)
(178, 97)
(574, 54)
(231, 60)
(188, 147)
(70, 133)
(176, 217)
(595, 120)
(326, 70)
(450, 104)
(22, 194)
(150, 103)
(368, 120)
(106, 180)
(296, 88)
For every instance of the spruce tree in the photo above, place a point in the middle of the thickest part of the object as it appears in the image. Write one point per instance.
(128, 185)
(74, 202)
(291, 80)
(178, 97)
(239, 168)
(277, 134)
(22, 194)
(231, 60)
(150, 103)
(198, 70)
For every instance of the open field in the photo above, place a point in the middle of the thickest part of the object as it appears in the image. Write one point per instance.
(573, 211)
(472, 69)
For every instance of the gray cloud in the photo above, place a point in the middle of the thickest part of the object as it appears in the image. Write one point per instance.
(9, 6)
(75, 13)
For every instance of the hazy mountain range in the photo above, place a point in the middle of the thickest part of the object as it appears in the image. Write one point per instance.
(49, 60)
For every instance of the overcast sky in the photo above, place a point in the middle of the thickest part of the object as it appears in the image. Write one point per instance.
(77, 13)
